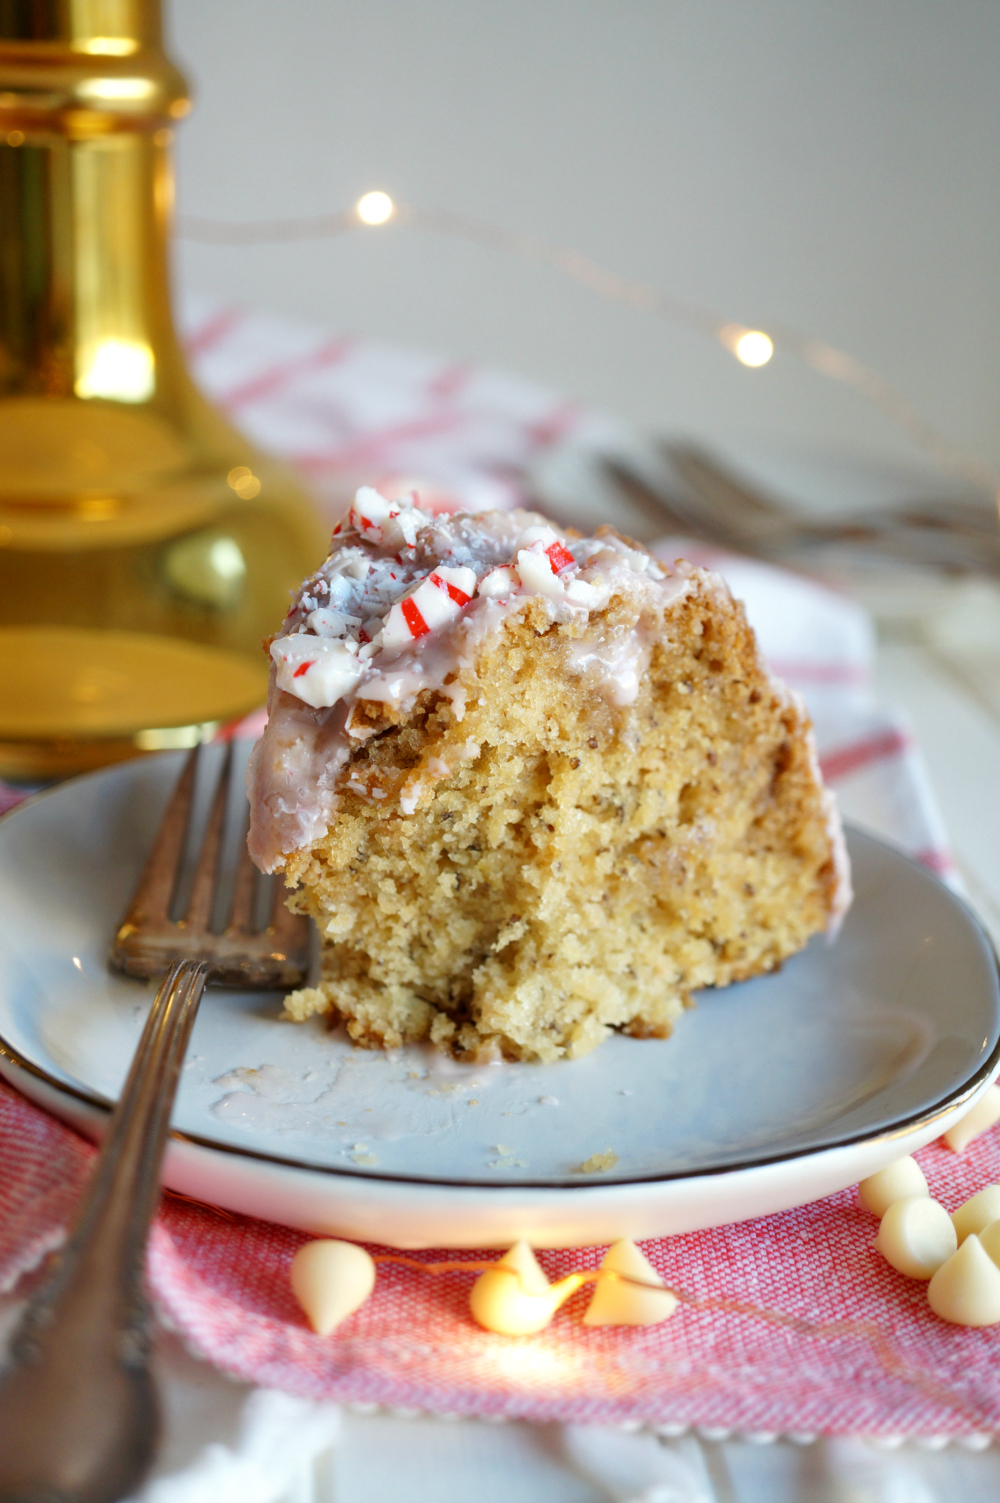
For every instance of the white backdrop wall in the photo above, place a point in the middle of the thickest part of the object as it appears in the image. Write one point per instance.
(834, 164)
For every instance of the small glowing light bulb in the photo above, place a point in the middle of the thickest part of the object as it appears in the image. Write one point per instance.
(753, 348)
(375, 208)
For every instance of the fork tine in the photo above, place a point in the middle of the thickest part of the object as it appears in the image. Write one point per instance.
(287, 930)
(203, 887)
(244, 955)
(152, 896)
(288, 937)
(244, 892)
(661, 512)
(728, 489)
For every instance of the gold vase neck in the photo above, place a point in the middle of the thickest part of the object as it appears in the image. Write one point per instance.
(126, 26)
(86, 190)
(86, 67)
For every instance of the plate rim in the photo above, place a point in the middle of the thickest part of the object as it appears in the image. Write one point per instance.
(902, 1126)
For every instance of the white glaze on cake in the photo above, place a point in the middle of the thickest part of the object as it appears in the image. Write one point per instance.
(344, 625)
(353, 626)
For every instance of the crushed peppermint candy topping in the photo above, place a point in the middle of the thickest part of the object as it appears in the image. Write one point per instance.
(399, 577)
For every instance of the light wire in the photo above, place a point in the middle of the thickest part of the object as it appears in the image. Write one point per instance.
(825, 359)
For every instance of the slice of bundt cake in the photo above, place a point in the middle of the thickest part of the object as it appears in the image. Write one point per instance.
(532, 787)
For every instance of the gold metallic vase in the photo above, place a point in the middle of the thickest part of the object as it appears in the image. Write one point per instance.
(145, 546)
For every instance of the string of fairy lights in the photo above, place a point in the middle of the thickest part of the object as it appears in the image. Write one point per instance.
(751, 347)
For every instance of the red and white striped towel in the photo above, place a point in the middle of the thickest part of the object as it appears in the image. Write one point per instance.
(792, 1323)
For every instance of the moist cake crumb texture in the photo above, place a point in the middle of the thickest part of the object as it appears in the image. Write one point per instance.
(532, 787)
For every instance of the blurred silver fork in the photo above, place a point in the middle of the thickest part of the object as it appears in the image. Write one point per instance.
(706, 499)
(79, 1417)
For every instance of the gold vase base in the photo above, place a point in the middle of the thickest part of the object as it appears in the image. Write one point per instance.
(72, 699)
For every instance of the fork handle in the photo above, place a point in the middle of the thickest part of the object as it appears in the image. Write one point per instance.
(79, 1418)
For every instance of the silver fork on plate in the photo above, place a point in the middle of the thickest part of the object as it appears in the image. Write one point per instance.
(78, 1410)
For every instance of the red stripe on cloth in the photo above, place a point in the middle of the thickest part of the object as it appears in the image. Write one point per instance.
(368, 448)
(10, 797)
(246, 728)
(847, 760)
(449, 381)
(267, 382)
(214, 330)
(549, 429)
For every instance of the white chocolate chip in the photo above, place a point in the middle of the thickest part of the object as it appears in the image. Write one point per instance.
(983, 1115)
(916, 1236)
(520, 1300)
(990, 1239)
(895, 1182)
(976, 1214)
(331, 1280)
(618, 1301)
(966, 1289)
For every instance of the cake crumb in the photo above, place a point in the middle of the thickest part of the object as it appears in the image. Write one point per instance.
(598, 1162)
(364, 1160)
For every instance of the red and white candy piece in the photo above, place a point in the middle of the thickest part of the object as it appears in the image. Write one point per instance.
(541, 559)
(582, 592)
(499, 582)
(371, 514)
(317, 670)
(326, 622)
(438, 599)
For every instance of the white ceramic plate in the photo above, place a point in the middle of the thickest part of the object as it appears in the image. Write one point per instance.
(769, 1094)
